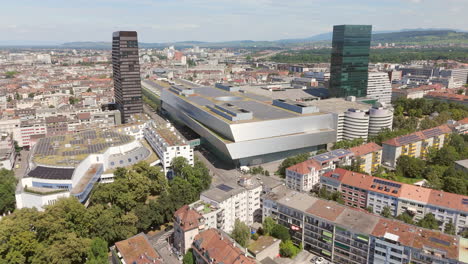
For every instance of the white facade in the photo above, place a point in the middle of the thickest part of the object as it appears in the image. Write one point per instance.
(379, 87)
(158, 138)
(239, 203)
(80, 184)
(380, 118)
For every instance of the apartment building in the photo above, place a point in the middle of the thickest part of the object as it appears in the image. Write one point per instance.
(212, 247)
(416, 144)
(369, 155)
(7, 151)
(363, 191)
(348, 235)
(187, 224)
(167, 144)
(379, 87)
(305, 175)
(238, 201)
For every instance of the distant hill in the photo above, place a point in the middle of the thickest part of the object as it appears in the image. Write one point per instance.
(407, 36)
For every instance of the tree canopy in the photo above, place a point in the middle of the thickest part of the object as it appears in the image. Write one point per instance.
(139, 199)
(290, 161)
(7, 191)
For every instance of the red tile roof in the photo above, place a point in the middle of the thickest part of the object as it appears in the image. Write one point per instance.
(187, 218)
(406, 191)
(418, 136)
(138, 250)
(304, 167)
(365, 149)
(220, 248)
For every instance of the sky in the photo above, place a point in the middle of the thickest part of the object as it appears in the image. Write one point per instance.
(58, 21)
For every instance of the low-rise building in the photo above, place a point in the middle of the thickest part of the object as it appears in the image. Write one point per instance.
(264, 247)
(369, 155)
(135, 250)
(187, 224)
(303, 176)
(212, 246)
(416, 144)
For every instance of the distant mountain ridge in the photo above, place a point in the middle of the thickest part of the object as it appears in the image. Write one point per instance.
(404, 36)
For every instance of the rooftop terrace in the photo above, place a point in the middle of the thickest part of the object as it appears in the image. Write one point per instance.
(69, 150)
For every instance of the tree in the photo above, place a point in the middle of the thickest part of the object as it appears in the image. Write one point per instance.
(288, 249)
(450, 228)
(268, 225)
(346, 144)
(72, 100)
(445, 156)
(386, 212)
(280, 232)
(178, 164)
(31, 95)
(410, 167)
(7, 191)
(189, 258)
(290, 161)
(455, 185)
(406, 217)
(241, 233)
(97, 253)
(68, 248)
(427, 123)
(89, 90)
(429, 221)
(10, 74)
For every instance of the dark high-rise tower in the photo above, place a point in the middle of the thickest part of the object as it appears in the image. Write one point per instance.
(349, 60)
(126, 71)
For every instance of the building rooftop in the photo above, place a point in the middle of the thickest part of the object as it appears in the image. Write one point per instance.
(70, 149)
(188, 218)
(298, 201)
(51, 173)
(261, 107)
(226, 190)
(138, 250)
(218, 246)
(462, 163)
(304, 167)
(357, 221)
(326, 210)
(398, 189)
(365, 149)
(418, 136)
(261, 244)
(338, 105)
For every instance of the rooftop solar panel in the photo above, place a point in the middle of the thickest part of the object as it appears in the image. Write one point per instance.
(224, 187)
(465, 201)
(439, 241)
(391, 184)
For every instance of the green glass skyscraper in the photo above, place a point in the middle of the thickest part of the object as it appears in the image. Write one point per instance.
(349, 60)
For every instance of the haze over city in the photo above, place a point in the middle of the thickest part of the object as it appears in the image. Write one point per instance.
(234, 132)
(55, 22)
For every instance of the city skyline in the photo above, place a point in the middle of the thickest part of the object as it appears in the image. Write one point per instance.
(50, 22)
